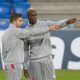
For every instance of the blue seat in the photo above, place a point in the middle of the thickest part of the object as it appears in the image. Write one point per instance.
(4, 0)
(5, 10)
(25, 24)
(21, 8)
(18, 1)
(4, 24)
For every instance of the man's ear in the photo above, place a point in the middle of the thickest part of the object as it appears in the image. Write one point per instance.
(14, 22)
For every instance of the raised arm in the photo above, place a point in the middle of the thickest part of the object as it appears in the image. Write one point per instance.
(35, 31)
(62, 23)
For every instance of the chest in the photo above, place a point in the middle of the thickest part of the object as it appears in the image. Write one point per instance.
(38, 39)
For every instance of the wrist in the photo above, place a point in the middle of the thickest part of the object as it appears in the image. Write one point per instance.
(49, 28)
(68, 22)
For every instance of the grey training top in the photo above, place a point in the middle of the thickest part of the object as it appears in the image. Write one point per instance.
(40, 45)
(13, 45)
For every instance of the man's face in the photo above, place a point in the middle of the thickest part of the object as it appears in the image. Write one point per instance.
(32, 16)
(19, 22)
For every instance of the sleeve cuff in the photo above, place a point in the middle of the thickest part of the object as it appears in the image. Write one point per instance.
(25, 66)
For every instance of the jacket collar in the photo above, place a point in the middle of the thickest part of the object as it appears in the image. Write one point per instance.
(12, 25)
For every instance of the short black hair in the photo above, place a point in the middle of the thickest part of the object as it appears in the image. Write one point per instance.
(30, 10)
(14, 16)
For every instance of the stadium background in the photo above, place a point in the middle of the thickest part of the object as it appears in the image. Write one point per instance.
(65, 42)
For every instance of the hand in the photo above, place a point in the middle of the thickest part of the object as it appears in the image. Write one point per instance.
(71, 21)
(54, 27)
(26, 73)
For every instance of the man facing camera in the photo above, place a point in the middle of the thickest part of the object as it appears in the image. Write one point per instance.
(13, 45)
(38, 50)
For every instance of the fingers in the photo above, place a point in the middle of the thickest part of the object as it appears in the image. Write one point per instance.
(54, 27)
(73, 20)
(26, 73)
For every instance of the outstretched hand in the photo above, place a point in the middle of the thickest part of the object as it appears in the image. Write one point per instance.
(54, 27)
(71, 21)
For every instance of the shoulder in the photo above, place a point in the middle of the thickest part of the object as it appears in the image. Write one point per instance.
(41, 21)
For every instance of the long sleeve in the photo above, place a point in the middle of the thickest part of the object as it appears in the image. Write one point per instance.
(23, 33)
(61, 23)
(26, 54)
(3, 48)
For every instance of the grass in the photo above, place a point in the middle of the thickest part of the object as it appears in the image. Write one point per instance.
(2, 75)
(60, 75)
(67, 74)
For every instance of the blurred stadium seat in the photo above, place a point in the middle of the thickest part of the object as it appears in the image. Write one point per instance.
(4, 1)
(21, 8)
(18, 1)
(25, 23)
(4, 24)
(5, 10)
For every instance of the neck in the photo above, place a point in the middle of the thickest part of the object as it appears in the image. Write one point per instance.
(31, 23)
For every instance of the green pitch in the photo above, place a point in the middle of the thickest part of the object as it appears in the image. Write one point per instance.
(67, 74)
(60, 75)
